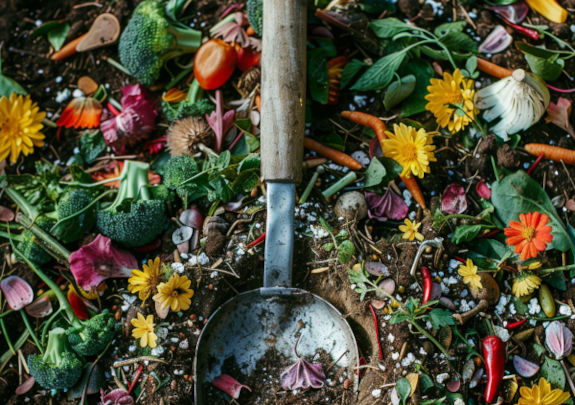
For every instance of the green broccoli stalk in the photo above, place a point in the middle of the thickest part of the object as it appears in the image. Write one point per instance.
(256, 15)
(59, 367)
(150, 39)
(193, 105)
(134, 218)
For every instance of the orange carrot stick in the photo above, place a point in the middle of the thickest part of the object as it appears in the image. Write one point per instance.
(378, 126)
(250, 31)
(554, 153)
(493, 69)
(67, 50)
(259, 102)
(333, 154)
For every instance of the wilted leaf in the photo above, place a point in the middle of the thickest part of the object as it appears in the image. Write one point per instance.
(559, 114)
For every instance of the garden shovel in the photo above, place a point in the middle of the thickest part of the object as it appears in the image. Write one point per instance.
(244, 328)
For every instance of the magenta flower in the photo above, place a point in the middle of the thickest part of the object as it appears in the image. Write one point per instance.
(134, 123)
(558, 339)
(219, 122)
(229, 385)
(387, 206)
(302, 374)
(483, 189)
(98, 261)
(453, 200)
(115, 397)
(17, 292)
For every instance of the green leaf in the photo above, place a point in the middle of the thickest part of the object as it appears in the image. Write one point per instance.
(557, 280)
(252, 161)
(246, 181)
(325, 225)
(521, 308)
(445, 29)
(465, 233)
(389, 27)
(519, 193)
(346, 251)
(91, 145)
(542, 62)
(416, 102)
(375, 173)
(425, 382)
(9, 86)
(403, 388)
(471, 64)
(538, 349)
(318, 76)
(57, 36)
(381, 73)
(398, 91)
(553, 372)
(440, 317)
(349, 72)
(328, 247)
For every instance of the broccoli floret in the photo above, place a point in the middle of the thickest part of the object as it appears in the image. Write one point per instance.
(177, 174)
(134, 218)
(92, 336)
(150, 39)
(76, 226)
(30, 246)
(256, 15)
(59, 367)
(192, 106)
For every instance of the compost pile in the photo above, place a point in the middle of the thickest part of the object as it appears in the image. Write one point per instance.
(435, 212)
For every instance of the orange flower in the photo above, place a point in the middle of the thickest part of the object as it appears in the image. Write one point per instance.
(529, 236)
(81, 112)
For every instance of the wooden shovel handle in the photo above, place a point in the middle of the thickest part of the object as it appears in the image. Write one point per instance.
(283, 89)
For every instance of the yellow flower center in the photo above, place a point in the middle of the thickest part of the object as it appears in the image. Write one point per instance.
(454, 98)
(175, 293)
(410, 152)
(529, 233)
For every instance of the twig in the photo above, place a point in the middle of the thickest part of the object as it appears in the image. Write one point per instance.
(137, 360)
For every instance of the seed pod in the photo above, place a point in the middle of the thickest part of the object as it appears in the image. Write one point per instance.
(546, 301)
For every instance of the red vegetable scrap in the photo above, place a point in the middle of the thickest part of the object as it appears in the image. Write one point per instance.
(427, 284)
(335, 69)
(229, 385)
(214, 63)
(302, 374)
(81, 113)
(494, 354)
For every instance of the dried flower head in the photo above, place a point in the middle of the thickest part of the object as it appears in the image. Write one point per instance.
(186, 133)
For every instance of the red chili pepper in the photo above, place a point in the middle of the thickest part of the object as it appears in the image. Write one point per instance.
(515, 325)
(214, 63)
(138, 374)
(376, 331)
(494, 354)
(78, 305)
(257, 241)
(427, 284)
(534, 165)
(528, 32)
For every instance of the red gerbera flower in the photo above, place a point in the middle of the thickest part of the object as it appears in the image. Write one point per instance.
(529, 236)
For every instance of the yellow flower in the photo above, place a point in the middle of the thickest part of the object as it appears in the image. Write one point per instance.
(20, 126)
(456, 91)
(469, 273)
(144, 282)
(531, 266)
(144, 330)
(412, 149)
(542, 394)
(410, 230)
(176, 293)
(525, 284)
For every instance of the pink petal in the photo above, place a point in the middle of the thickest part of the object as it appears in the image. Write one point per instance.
(453, 200)
(497, 41)
(483, 189)
(6, 214)
(41, 307)
(524, 368)
(98, 261)
(192, 217)
(515, 13)
(17, 292)
(25, 386)
(558, 339)
(229, 385)
(303, 375)
(220, 122)
(388, 206)
(559, 114)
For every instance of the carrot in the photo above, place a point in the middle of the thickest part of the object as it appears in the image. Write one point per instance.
(250, 31)
(378, 126)
(493, 69)
(173, 95)
(69, 49)
(259, 102)
(333, 154)
(554, 153)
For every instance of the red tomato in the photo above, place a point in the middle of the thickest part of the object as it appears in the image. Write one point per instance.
(247, 58)
(214, 64)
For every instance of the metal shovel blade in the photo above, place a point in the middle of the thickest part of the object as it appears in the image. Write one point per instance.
(245, 327)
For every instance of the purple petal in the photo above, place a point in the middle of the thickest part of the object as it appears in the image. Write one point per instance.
(483, 189)
(497, 41)
(388, 206)
(17, 292)
(558, 339)
(220, 122)
(453, 200)
(453, 385)
(375, 148)
(303, 375)
(322, 31)
(41, 307)
(514, 13)
(377, 269)
(115, 397)
(6, 214)
(525, 368)
(98, 261)
(229, 385)
(25, 386)
(192, 217)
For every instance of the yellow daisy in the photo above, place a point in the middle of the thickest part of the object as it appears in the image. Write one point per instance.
(145, 282)
(525, 284)
(542, 394)
(144, 330)
(469, 273)
(175, 294)
(452, 90)
(20, 126)
(410, 230)
(412, 149)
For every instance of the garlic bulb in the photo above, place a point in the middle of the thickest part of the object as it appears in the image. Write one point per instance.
(519, 100)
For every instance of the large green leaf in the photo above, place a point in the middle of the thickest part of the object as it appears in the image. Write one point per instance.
(398, 91)
(9, 86)
(542, 62)
(416, 102)
(389, 27)
(518, 193)
(380, 73)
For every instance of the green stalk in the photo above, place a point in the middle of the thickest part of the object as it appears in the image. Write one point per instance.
(86, 208)
(310, 185)
(31, 331)
(47, 325)
(6, 313)
(559, 268)
(8, 353)
(179, 77)
(6, 337)
(338, 185)
(118, 66)
(495, 170)
(48, 242)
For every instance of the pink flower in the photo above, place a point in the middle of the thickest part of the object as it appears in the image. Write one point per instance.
(17, 292)
(134, 123)
(98, 261)
(115, 397)
(302, 374)
(453, 200)
(387, 206)
(483, 189)
(229, 385)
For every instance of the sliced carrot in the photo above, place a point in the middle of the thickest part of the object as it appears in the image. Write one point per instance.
(259, 102)
(554, 153)
(411, 184)
(68, 50)
(493, 69)
(333, 154)
(250, 31)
